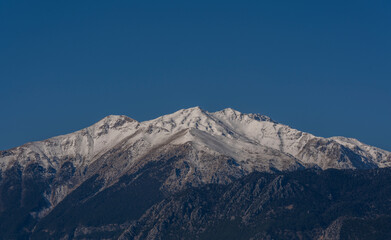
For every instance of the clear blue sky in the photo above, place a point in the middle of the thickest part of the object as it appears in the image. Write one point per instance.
(319, 66)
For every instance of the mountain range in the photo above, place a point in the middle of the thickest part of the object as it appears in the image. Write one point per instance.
(193, 174)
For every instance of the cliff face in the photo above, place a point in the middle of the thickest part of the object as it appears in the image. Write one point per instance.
(308, 204)
(303, 204)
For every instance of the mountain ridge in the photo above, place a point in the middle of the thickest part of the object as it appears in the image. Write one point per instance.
(118, 145)
(225, 122)
(119, 159)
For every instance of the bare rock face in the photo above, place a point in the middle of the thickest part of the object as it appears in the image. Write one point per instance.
(333, 231)
(307, 204)
(152, 160)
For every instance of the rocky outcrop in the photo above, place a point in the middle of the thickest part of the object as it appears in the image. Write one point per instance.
(307, 204)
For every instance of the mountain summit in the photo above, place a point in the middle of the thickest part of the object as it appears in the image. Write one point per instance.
(144, 162)
(255, 141)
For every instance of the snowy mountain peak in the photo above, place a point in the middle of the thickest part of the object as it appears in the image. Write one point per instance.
(193, 111)
(185, 118)
(196, 117)
(190, 147)
(113, 121)
(233, 114)
(254, 140)
(230, 112)
(187, 148)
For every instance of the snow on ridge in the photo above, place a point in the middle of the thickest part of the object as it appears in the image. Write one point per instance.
(234, 114)
(82, 145)
(244, 131)
(244, 135)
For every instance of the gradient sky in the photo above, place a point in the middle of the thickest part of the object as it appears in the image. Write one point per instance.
(319, 66)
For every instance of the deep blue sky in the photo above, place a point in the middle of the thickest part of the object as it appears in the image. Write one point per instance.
(319, 66)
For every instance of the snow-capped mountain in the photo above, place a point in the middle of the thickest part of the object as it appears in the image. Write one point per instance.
(254, 141)
(248, 142)
(188, 148)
